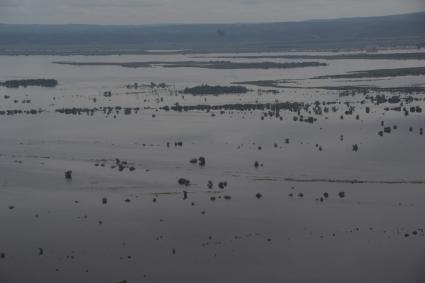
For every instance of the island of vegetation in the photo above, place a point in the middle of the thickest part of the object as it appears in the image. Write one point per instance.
(214, 90)
(31, 82)
(200, 64)
(378, 73)
(367, 56)
(355, 88)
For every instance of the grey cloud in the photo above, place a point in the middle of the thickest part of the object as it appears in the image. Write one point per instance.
(248, 2)
(8, 3)
(117, 4)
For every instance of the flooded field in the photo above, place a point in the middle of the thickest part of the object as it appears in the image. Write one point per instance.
(126, 174)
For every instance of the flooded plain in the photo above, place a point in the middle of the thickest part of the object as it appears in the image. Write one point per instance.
(306, 180)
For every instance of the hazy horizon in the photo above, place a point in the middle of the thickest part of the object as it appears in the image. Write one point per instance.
(148, 12)
(212, 23)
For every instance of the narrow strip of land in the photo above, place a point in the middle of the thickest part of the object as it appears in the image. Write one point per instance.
(367, 56)
(199, 64)
(378, 73)
(342, 181)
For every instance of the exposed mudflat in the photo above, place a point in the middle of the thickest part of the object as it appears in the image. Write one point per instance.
(116, 174)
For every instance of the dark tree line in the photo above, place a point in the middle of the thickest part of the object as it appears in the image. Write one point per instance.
(31, 82)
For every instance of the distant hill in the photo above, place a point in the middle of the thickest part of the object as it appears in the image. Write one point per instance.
(396, 30)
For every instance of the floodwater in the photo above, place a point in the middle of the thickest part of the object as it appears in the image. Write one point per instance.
(269, 224)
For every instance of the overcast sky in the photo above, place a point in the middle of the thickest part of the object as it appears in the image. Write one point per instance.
(194, 11)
